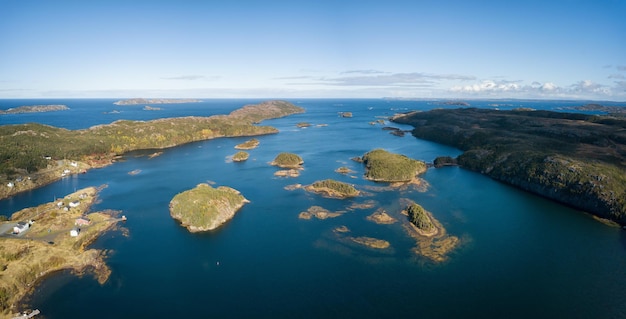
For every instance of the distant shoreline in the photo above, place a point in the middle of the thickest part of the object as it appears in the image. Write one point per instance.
(34, 109)
(155, 101)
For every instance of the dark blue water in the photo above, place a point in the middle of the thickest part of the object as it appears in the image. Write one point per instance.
(521, 256)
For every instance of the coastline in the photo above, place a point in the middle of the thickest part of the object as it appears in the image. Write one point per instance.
(204, 128)
(48, 247)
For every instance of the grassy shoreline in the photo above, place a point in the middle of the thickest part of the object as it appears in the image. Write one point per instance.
(47, 246)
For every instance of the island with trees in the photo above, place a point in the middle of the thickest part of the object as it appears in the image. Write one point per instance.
(575, 159)
(333, 189)
(32, 155)
(241, 156)
(384, 166)
(51, 237)
(205, 208)
(288, 160)
(432, 240)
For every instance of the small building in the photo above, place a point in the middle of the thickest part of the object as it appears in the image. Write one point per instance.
(10, 185)
(20, 227)
(74, 164)
(74, 232)
(82, 221)
(74, 204)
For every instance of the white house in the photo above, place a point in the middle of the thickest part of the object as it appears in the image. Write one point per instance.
(20, 227)
(74, 232)
(74, 203)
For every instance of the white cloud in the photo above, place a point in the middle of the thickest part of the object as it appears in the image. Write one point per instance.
(487, 86)
(586, 89)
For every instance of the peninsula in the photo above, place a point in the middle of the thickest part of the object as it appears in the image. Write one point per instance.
(34, 109)
(575, 159)
(33, 155)
(40, 240)
(206, 208)
(155, 101)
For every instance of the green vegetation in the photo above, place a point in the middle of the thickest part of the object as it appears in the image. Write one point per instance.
(287, 160)
(240, 156)
(444, 161)
(419, 217)
(206, 208)
(25, 147)
(333, 188)
(384, 166)
(576, 159)
(248, 145)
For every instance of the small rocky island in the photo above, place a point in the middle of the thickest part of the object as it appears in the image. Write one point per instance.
(333, 189)
(206, 208)
(34, 109)
(575, 159)
(288, 160)
(384, 166)
(431, 238)
(136, 101)
(241, 156)
(54, 236)
(248, 145)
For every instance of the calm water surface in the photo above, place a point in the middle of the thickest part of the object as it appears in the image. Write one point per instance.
(521, 256)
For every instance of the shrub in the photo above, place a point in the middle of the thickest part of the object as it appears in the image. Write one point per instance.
(419, 217)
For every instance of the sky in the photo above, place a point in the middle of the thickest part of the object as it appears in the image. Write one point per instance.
(558, 49)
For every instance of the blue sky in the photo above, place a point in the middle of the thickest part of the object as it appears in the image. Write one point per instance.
(286, 49)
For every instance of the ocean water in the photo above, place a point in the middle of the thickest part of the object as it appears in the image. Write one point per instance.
(521, 255)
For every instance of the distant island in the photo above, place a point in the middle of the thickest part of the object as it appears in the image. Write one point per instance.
(34, 109)
(34, 155)
(575, 159)
(54, 236)
(155, 101)
(206, 208)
